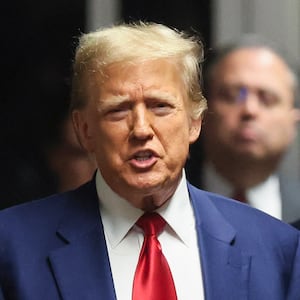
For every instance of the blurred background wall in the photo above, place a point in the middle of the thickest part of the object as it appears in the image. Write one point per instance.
(38, 39)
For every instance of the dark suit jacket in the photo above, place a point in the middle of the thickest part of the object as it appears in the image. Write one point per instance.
(290, 194)
(55, 249)
(297, 224)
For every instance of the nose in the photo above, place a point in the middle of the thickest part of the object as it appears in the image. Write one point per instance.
(249, 102)
(141, 128)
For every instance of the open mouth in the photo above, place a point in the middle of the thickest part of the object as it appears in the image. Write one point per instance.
(143, 159)
(142, 156)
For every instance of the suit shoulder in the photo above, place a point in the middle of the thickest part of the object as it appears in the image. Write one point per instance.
(48, 202)
(40, 214)
(31, 215)
(43, 206)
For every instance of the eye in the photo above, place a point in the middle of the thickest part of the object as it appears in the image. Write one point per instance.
(161, 108)
(117, 113)
(229, 94)
(268, 98)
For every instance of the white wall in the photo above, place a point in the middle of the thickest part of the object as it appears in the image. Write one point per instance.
(101, 13)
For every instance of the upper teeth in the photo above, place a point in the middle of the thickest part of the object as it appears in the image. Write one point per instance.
(142, 158)
(143, 155)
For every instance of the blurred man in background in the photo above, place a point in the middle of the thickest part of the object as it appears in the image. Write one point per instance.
(70, 164)
(249, 126)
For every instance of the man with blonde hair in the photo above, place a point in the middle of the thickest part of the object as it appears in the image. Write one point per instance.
(139, 230)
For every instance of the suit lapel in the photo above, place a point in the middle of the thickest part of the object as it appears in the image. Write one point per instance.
(225, 268)
(81, 268)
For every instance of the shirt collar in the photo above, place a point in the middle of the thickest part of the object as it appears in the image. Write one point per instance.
(264, 196)
(119, 216)
(214, 182)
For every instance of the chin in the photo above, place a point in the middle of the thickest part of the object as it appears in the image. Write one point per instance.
(147, 182)
(146, 185)
(249, 155)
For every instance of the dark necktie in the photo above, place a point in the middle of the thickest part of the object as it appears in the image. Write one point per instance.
(240, 195)
(153, 279)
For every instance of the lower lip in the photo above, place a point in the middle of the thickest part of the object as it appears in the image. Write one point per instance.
(143, 164)
(247, 135)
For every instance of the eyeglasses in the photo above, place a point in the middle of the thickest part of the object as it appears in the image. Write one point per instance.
(239, 94)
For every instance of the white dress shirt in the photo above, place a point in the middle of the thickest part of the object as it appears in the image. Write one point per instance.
(265, 196)
(178, 240)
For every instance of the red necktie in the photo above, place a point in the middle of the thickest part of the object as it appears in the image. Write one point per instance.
(153, 279)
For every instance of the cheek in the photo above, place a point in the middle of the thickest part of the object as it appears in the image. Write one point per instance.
(281, 131)
(109, 141)
(221, 124)
(231, 115)
(176, 141)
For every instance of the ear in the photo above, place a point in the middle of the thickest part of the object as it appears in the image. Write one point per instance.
(195, 128)
(82, 130)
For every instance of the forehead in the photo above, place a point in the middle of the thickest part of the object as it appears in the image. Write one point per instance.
(254, 65)
(161, 74)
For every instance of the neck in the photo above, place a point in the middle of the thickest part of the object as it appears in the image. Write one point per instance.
(244, 174)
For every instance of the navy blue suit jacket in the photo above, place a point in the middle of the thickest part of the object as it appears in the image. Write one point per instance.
(55, 248)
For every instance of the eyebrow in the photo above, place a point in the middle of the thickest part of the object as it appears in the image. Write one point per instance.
(115, 100)
(160, 95)
(112, 101)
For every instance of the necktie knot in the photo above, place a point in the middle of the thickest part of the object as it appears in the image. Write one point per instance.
(240, 195)
(151, 223)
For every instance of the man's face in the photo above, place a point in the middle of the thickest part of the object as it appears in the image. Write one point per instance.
(251, 113)
(138, 125)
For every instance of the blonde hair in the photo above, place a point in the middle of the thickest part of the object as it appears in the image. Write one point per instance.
(133, 43)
